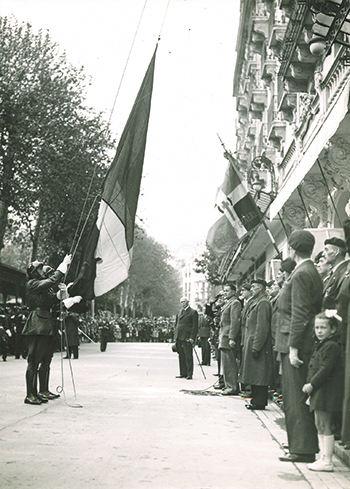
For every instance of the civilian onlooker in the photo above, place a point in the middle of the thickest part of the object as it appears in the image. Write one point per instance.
(300, 300)
(325, 386)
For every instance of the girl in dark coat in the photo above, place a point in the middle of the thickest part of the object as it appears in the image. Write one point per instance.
(325, 387)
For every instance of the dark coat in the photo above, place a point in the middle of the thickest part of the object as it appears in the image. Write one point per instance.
(332, 286)
(230, 323)
(326, 374)
(203, 326)
(71, 328)
(186, 325)
(300, 299)
(40, 299)
(257, 336)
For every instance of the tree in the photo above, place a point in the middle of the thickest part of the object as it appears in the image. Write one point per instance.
(50, 143)
(208, 264)
(153, 287)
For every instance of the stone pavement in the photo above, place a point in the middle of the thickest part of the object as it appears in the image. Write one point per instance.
(133, 425)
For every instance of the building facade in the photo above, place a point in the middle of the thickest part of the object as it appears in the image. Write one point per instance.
(291, 85)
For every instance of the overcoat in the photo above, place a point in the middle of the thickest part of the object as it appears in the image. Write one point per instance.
(331, 288)
(71, 329)
(257, 336)
(326, 374)
(186, 325)
(203, 326)
(40, 299)
(300, 299)
(230, 323)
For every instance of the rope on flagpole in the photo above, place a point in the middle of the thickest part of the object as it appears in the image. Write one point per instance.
(75, 246)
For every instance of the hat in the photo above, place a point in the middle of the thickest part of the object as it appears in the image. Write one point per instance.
(246, 286)
(259, 281)
(288, 265)
(336, 242)
(33, 267)
(302, 241)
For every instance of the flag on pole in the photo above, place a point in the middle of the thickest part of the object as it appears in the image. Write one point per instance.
(234, 200)
(108, 251)
(221, 237)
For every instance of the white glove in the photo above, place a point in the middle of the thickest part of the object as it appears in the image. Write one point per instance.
(62, 292)
(70, 301)
(63, 267)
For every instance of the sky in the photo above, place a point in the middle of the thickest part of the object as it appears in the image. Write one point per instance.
(192, 95)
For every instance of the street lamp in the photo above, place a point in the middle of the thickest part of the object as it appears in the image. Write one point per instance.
(261, 175)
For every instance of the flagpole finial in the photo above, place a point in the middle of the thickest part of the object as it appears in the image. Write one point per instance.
(222, 144)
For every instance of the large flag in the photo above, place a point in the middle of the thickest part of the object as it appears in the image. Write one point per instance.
(234, 200)
(221, 237)
(108, 252)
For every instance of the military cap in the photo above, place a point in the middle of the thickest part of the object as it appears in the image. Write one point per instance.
(336, 242)
(288, 265)
(259, 281)
(302, 241)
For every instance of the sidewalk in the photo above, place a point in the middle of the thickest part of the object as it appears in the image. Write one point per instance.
(139, 427)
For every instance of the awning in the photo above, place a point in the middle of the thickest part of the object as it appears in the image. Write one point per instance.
(324, 130)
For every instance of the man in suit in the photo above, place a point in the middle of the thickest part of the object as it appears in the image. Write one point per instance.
(300, 300)
(186, 328)
(229, 339)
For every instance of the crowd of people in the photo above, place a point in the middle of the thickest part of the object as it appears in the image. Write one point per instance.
(286, 337)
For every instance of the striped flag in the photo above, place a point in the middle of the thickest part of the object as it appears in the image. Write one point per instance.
(234, 200)
(221, 237)
(108, 252)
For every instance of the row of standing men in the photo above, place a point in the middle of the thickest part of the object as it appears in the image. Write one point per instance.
(271, 335)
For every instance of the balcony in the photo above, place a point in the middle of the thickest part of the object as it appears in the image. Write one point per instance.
(258, 103)
(276, 126)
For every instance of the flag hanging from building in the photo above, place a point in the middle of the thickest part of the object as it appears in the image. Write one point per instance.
(108, 252)
(221, 237)
(234, 200)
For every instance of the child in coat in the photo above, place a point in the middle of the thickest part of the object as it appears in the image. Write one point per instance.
(325, 386)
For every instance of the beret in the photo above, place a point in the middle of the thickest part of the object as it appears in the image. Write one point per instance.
(259, 281)
(301, 241)
(246, 286)
(336, 242)
(288, 265)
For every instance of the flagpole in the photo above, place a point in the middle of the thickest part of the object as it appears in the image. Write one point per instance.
(228, 156)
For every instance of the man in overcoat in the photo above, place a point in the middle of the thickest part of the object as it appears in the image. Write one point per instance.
(299, 302)
(229, 339)
(257, 361)
(334, 252)
(186, 328)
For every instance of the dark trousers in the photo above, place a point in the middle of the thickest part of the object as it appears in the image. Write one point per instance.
(205, 346)
(185, 351)
(40, 352)
(301, 430)
(259, 395)
(73, 350)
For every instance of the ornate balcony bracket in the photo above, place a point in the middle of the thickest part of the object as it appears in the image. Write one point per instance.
(288, 106)
(294, 85)
(269, 69)
(314, 192)
(277, 133)
(276, 38)
(294, 215)
(302, 71)
(335, 160)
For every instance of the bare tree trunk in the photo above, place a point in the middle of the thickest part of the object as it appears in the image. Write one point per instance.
(36, 234)
(3, 222)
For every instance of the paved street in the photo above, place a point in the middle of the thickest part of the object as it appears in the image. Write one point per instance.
(136, 429)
